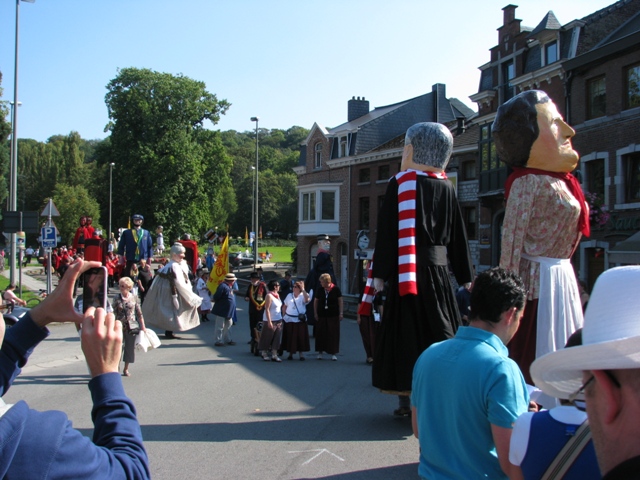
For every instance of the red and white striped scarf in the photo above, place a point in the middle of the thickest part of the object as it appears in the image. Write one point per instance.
(369, 293)
(407, 229)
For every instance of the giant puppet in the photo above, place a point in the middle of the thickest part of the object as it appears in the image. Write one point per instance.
(420, 233)
(545, 216)
(170, 303)
(135, 244)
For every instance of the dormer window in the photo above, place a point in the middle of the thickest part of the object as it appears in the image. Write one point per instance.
(343, 147)
(551, 53)
(317, 156)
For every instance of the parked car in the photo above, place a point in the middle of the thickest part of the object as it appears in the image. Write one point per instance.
(238, 258)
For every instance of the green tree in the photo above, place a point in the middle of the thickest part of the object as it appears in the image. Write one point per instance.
(73, 202)
(169, 167)
(5, 131)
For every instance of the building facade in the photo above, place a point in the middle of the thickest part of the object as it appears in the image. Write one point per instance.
(343, 174)
(589, 67)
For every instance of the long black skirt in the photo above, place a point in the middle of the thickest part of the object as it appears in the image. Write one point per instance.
(328, 335)
(410, 324)
(295, 337)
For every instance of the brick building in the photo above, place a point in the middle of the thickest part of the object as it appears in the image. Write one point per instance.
(343, 174)
(590, 68)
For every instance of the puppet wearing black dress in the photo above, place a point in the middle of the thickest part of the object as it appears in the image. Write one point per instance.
(414, 255)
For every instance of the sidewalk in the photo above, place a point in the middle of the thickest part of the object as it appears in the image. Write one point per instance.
(32, 279)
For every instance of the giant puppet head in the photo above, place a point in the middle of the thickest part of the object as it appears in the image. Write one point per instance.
(324, 244)
(137, 220)
(427, 147)
(529, 132)
(177, 252)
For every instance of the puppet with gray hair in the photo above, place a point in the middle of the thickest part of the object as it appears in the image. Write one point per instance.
(545, 217)
(420, 232)
(170, 303)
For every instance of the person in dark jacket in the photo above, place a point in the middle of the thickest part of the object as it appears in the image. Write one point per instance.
(43, 444)
(224, 308)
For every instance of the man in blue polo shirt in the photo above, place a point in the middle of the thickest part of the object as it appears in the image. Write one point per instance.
(467, 393)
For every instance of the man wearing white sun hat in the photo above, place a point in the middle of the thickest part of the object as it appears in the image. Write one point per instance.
(605, 371)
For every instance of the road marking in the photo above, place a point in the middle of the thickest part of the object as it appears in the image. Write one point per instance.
(320, 452)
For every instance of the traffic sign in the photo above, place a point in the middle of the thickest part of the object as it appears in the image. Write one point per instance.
(49, 237)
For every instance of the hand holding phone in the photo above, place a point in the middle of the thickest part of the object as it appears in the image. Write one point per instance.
(94, 293)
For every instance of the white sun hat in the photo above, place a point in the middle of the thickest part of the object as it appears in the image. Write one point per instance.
(610, 337)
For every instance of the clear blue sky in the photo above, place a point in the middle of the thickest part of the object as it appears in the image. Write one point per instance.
(290, 62)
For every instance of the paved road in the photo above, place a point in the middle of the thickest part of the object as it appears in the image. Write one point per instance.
(219, 412)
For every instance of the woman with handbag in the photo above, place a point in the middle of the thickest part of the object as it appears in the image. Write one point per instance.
(296, 332)
(271, 324)
(127, 310)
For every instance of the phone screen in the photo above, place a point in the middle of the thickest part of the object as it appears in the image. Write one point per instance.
(94, 293)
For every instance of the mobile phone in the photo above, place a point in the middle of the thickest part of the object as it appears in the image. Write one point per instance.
(94, 292)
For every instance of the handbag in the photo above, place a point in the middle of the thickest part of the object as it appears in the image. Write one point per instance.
(301, 316)
(133, 327)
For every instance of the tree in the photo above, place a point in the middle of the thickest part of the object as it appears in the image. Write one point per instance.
(169, 167)
(5, 131)
(77, 202)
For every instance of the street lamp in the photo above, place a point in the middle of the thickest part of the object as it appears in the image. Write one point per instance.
(111, 165)
(13, 194)
(255, 257)
(253, 208)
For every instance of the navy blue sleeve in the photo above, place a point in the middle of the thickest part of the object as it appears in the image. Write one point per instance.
(117, 451)
(19, 342)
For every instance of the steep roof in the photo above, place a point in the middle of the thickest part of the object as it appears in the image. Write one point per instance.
(549, 22)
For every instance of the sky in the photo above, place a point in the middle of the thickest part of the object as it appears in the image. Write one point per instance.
(288, 62)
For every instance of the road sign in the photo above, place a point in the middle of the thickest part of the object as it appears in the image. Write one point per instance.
(50, 210)
(30, 222)
(49, 237)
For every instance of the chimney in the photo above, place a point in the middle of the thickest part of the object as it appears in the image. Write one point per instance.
(509, 14)
(357, 108)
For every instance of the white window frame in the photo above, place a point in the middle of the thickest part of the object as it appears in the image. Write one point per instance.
(318, 190)
(620, 177)
(544, 49)
(608, 181)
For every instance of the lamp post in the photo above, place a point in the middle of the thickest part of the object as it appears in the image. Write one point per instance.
(255, 257)
(253, 209)
(111, 165)
(13, 190)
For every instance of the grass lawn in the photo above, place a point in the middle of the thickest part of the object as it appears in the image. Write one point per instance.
(278, 254)
(26, 293)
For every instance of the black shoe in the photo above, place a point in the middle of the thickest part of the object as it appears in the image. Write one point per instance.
(172, 337)
(402, 412)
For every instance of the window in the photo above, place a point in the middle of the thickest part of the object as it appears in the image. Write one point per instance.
(328, 205)
(596, 100)
(508, 73)
(470, 221)
(551, 52)
(364, 213)
(595, 176)
(632, 163)
(633, 87)
(343, 147)
(318, 156)
(308, 206)
(492, 174)
(383, 173)
(364, 176)
(469, 170)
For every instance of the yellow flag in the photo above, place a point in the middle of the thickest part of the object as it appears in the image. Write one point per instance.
(246, 236)
(220, 268)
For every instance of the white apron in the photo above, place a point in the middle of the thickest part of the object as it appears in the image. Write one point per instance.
(559, 307)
